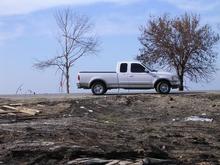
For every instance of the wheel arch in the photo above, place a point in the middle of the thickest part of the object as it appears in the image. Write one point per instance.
(161, 80)
(97, 80)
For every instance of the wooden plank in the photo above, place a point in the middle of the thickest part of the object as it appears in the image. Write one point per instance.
(16, 104)
(2, 111)
(20, 110)
(9, 107)
(7, 111)
(28, 111)
(12, 114)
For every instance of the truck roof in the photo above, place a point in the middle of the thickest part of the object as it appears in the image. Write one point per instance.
(129, 62)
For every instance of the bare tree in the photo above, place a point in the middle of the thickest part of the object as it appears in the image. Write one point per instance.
(180, 43)
(75, 40)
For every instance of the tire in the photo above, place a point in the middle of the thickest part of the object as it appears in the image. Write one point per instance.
(98, 88)
(163, 87)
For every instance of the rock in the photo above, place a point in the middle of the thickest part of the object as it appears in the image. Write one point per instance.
(139, 102)
(123, 101)
(171, 99)
(214, 105)
(163, 147)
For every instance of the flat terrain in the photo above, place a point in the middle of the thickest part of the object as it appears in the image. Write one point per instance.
(112, 129)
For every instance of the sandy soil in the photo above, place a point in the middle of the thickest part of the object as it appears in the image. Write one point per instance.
(130, 129)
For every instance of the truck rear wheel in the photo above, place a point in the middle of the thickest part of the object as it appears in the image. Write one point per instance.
(163, 87)
(98, 88)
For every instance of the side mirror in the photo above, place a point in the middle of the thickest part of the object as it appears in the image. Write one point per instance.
(147, 71)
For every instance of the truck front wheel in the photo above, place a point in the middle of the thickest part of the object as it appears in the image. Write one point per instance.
(163, 87)
(98, 88)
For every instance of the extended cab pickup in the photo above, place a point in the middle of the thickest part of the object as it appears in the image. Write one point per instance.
(128, 75)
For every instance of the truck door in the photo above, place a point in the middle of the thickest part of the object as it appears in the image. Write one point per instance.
(123, 75)
(138, 77)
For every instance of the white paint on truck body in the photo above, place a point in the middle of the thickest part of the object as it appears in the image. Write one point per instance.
(128, 75)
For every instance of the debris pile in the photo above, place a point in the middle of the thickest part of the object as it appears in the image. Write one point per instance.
(142, 129)
(13, 109)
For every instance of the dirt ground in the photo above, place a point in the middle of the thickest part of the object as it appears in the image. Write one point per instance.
(113, 129)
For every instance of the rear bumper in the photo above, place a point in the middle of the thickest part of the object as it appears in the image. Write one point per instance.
(82, 85)
(78, 85)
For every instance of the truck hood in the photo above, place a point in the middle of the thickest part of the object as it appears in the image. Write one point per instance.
(162, 74)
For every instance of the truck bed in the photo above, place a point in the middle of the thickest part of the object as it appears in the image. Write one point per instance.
(87, 77)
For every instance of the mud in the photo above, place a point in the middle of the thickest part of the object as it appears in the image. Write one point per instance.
(114, 128)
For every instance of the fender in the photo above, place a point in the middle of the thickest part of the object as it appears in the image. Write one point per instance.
(96, 79)
(159, 80)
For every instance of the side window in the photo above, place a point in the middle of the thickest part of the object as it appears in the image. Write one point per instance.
(123, 68)
(137, 68)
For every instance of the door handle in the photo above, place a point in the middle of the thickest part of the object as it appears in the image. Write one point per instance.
(131, 76)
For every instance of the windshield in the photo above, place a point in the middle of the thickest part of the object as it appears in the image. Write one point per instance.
(151, 70)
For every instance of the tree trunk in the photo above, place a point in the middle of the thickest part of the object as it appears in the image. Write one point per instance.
(67, 81)
(181, 87)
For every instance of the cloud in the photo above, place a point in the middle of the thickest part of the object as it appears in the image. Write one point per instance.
(15, 7)
(9, 33)
(195, 5)
(118, 24)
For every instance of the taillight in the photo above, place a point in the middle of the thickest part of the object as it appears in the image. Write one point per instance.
(78, 77)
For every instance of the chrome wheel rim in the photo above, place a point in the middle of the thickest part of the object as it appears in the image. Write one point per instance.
(98, 89)
(164, 88)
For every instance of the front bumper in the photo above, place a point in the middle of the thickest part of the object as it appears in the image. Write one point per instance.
(175, 84)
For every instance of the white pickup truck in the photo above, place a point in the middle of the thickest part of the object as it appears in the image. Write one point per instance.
(128, 75)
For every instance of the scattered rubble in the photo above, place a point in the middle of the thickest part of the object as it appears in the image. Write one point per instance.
(142, 129)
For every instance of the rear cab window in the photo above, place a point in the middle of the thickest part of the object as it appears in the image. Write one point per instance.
(123, 67)
(137, 68)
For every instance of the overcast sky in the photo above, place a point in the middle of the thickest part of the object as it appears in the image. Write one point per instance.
(28, 32)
